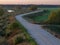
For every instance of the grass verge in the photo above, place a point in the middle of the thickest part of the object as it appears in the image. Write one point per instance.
(27, 35)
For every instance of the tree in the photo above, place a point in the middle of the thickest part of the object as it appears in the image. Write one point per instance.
(1, 11)
(33, 7)
(17, 8)
(54, 18)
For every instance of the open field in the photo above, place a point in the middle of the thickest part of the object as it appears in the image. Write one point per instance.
(38, 17)
(51, 9)
(41, 16)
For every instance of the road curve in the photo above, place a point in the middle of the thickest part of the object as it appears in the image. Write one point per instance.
(41, 36)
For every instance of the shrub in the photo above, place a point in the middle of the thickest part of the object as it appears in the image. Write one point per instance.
(8, 34)
(2, 33)
(19, 40)
(15, 25)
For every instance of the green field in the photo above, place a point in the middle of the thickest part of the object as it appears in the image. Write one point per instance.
(38, 17)
(54, 28)
(41, 16)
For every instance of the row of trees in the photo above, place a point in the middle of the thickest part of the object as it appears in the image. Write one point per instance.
(33, 7)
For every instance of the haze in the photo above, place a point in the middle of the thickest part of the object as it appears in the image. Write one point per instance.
(55, 2)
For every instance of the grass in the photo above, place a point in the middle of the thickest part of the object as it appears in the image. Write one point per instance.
(27, 35)
(38, 17)
(54, 28)
(51, 9)
(41, 16)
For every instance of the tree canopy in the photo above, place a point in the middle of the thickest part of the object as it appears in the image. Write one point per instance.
(33, 7)
(1, 11)
(54, 18)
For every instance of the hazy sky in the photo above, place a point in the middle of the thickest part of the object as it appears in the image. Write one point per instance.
(30, 2)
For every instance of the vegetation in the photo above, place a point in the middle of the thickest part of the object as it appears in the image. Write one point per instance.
(14, 25)
(2, 29)
(19, 40)
(17, 8)
(45, 17)
(1, 11)
(33, 8)
(2, 33)
(54, 22)
(15, 28)
(53, 28)
(39, 17)
(54, 18)
(28, 38)
(48, 17)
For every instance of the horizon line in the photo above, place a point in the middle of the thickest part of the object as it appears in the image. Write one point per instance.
(29, 4)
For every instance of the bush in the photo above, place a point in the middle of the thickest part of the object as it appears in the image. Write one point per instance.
(8, 34)
(1, 11)
(2, 33)
(15, 25)
(19, 40)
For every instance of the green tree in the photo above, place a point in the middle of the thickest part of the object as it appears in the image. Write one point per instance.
(33, 7)
(1, 11)
(54, 18)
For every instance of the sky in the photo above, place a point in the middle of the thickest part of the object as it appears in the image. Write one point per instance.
(53, 2)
